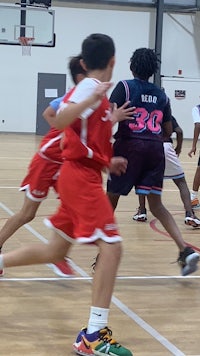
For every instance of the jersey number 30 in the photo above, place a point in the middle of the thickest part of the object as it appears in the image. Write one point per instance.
(143, 120)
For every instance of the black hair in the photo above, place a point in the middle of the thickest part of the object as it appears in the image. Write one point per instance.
(144, 63)
(75, 67)
(97, 50)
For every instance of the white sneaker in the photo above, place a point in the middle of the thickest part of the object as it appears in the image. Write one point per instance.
(140, 216)
(192, 221)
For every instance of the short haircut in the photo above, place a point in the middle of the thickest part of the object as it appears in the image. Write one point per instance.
(75, 67)
(97, 50)
(144, 63)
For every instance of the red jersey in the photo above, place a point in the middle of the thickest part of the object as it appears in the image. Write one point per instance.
(88, 139)
(49, 147)
(85, 213)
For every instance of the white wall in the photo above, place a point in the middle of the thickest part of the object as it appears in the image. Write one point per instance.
(182, 106)
(129, 29)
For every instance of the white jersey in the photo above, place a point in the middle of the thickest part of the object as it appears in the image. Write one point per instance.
(196, 114)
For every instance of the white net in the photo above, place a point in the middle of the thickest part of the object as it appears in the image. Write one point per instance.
(26, 43)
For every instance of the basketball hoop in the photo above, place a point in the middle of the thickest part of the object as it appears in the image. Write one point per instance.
(26, 43)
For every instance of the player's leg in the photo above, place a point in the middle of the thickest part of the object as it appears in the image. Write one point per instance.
(153, 181)
(174, 170)
(141, 214)
(184, 193)
(42, 175)
(188, 258)
(190, 218)
(23, 216)
(96, 224)
(39, 253)
(113, 198)
(103, 282)
(97, 337)
(195, 188)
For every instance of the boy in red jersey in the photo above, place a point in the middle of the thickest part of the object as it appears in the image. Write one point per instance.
(85, 214)
(43, 173)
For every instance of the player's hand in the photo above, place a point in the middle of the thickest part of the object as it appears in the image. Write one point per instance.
(192, 152)
(178, 151)
(118, 165)
(122, 113)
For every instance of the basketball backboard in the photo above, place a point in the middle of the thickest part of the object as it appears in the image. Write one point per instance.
(27, 21)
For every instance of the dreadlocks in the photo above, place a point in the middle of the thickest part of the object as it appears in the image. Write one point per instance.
(144, 63)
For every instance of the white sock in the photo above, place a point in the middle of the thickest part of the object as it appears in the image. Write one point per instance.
(98, 319)
(1, 262)
(193, 195)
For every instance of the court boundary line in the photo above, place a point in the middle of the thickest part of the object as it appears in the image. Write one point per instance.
(122, 278)
(120, 305)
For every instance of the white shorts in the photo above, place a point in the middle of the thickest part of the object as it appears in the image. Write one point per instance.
(173, 169)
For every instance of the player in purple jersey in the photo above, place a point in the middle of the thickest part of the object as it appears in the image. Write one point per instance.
(140, 141)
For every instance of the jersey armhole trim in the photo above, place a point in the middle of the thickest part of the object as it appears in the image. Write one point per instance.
(127, 91)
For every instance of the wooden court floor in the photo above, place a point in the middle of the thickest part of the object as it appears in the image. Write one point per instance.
(155, 311)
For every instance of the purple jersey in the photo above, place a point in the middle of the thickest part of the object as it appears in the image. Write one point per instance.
(152, 109)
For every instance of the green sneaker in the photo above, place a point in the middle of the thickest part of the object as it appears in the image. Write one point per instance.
(99, 343)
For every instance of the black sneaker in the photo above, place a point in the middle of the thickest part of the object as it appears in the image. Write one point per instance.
(140, 215)
(188, 260)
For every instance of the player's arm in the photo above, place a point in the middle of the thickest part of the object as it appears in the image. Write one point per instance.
(118, 95)
(167, 126)
(74, 110)
(167, 129)
(195, 139)
(179, 139)
(49, 114)
(179, 135)
(121, 109)
(196, 120)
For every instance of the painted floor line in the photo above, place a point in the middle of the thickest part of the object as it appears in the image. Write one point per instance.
(122, 278)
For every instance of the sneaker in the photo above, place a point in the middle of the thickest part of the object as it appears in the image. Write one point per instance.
(188, 260)
(63, 268)
(192, 221)
(99, 343)
(195, 203)
(139, 216)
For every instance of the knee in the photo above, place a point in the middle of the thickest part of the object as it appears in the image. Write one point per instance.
(180, 182)
(57, 248)
(111, 249)
(117, 250)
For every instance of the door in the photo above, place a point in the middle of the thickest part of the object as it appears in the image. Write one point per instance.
(50, 86)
